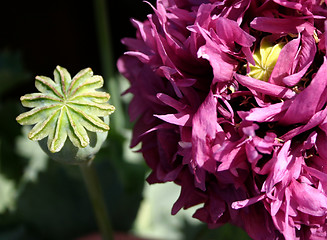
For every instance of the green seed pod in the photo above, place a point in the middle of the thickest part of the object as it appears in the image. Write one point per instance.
(68, 108)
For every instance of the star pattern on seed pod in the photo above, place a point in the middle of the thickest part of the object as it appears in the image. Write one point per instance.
(66, 107)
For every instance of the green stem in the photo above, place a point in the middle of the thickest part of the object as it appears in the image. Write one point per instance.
(102, 21)
(97, 199)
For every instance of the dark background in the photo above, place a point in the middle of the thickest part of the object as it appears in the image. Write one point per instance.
(61, 32)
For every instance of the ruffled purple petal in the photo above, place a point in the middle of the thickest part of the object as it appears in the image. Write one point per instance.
(244, 151)
(305, 104)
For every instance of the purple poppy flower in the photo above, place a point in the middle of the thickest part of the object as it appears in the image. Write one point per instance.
(246, 150)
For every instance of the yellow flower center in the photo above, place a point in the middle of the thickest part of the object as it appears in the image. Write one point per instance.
(265, 60)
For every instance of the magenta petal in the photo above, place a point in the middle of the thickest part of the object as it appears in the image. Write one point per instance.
(180, 119)
(305, 104)
(316, 173)
(321, 145)
(188, 196)
(232, 158)
(282, 220)
(247, 202)
(213, 210)
(252, 154)
(316, 119)
(303, 59)
(289, 4)
(278, 25)
(144, 30)
(310, 200)
(264, 87)
(267, 144)
(270, 113)
(179, 106)
(223, 66)
(277, 202)
(205, 128)
(235, 10)
(285, 63)
(229, 32)
(281, 162)
(219, 48)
